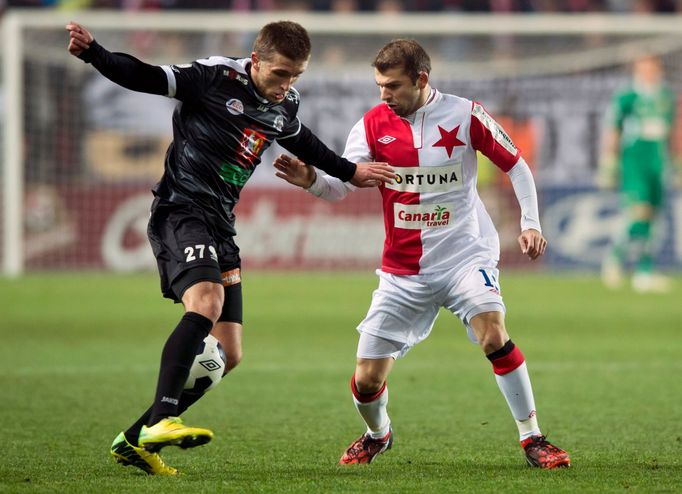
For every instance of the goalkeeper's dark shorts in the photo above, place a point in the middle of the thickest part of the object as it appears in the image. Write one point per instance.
(187, 252)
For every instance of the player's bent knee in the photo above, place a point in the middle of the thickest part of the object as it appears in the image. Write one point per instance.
(490, 330)
(493, 342)
(371, 374)
(492, 337)
(206, 300)
(368, 383)
(208, 308)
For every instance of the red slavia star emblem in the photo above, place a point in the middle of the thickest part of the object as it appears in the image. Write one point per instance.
(448, 139)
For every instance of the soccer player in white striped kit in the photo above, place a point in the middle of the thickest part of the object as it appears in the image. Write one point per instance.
(441, 247)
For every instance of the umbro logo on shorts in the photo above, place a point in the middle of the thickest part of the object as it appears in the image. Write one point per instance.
(386, 139)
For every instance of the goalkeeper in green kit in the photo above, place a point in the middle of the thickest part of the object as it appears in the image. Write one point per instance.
(636, 149)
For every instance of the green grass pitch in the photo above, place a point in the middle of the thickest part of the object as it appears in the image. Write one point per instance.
(79, 356)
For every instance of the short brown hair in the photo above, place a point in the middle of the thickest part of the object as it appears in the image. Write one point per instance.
(405, 53)
(284, 37)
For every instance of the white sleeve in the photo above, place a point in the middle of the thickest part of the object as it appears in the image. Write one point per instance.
(331, 188)
(524, 188)
(357, 150)
(328, 187)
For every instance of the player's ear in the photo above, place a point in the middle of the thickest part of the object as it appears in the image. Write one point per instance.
(422, 80)
(255, 61)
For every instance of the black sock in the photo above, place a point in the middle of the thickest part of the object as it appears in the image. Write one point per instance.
(176, 361)
(133, 432)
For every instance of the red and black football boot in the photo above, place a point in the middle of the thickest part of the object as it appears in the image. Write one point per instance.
(365, 449)
(542, 454)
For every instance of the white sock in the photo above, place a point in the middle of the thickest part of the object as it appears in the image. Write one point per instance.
(518, 392)
(375, 415)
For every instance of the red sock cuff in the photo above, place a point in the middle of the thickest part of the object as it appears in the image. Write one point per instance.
(508, 362)
(362, 397)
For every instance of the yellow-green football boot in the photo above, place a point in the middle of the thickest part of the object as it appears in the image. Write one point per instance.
(171, 431)
(127, 454)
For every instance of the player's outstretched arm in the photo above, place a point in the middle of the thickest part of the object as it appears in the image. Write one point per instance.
(311, 150)
(532, 243)
(297, 173)
(123, 69)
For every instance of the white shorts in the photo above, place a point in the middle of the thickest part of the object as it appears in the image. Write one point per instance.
(404, 308)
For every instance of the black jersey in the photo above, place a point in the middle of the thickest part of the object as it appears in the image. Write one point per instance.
(220, 130)
(221, 127)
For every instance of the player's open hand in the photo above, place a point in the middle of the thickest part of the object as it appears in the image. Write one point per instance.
(372, 174)
(294, 171)
(532, 243)
(79, 38)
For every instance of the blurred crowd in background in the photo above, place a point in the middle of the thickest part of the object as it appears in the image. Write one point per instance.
(493, 6)
(89, 144)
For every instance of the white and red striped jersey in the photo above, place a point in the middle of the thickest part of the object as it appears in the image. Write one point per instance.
(433, 215)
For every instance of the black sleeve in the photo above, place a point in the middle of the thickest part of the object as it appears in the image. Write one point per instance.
(126, 70)
(308, 148)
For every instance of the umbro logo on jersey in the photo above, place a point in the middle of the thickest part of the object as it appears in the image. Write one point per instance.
(386, 139)
(235, 107)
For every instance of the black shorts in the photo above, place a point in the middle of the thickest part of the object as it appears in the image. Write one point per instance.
(188, 251)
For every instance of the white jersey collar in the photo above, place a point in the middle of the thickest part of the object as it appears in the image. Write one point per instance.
(434, 96)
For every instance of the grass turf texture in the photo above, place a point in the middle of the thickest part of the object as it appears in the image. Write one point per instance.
(79, 358)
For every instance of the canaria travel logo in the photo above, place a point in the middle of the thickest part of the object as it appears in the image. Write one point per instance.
(419, 216)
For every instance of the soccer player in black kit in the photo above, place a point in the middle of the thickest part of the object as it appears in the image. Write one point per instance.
(230, 111)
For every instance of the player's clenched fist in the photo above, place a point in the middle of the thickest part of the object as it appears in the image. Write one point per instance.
(79, 38)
